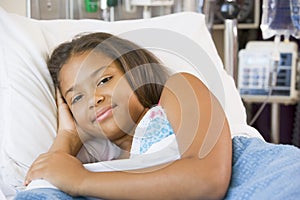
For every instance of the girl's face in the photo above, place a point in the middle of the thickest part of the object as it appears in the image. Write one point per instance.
(99, 96)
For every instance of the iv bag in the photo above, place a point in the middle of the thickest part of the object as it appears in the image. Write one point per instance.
(280, 17)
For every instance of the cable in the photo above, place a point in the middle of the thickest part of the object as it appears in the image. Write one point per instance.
(254, 118)
(272, 78)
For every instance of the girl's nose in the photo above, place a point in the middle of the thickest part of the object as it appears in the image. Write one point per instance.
(96, 101)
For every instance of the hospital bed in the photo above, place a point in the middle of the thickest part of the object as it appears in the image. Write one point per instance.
(183, 43)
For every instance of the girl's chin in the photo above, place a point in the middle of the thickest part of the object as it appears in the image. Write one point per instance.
(92, 134)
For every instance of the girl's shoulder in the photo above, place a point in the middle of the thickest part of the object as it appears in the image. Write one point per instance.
(181, 94)
(178, 85)
(186, 75)
(183, 78)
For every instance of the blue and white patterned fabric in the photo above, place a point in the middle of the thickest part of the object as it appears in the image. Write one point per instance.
(46, 194)
(153, 133)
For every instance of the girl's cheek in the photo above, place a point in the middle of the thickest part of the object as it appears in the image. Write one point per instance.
(76, 115)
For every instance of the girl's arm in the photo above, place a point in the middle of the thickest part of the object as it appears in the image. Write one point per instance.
(204, 141)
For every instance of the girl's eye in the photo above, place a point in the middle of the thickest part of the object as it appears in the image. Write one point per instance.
(76, 99)
(104, 80)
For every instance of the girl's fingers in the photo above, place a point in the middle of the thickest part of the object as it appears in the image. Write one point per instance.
(36, 166)
(61, 104)
(59, 99)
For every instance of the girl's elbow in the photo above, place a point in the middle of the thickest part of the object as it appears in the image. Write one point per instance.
(216, 185)
(221, 187)
(219, 184)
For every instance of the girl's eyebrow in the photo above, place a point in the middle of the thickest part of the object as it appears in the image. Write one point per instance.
(92, 75)
(98, 70)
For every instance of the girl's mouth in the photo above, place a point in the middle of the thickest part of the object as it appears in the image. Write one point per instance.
(104, 113)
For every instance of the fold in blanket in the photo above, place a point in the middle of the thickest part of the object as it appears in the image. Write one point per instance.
(264, 171)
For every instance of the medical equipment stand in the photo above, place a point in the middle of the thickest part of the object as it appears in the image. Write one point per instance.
(230, 11)
(275, 132)
(28, 8)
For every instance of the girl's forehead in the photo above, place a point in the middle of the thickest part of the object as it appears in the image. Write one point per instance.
(92, 58)
(86, 61)
(81, 65)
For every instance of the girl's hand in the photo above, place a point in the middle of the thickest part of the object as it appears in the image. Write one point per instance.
(66, 121)
(67, 138)
(59, 168)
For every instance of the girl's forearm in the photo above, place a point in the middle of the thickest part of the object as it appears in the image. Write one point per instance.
(183, 179)
(67, 142)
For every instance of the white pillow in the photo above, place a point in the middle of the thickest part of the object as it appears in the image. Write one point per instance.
(28, 110)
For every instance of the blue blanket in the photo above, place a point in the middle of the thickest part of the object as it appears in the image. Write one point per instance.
(264, 171)
(260, 171)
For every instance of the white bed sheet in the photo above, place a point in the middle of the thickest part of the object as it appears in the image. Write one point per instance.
(7, 192)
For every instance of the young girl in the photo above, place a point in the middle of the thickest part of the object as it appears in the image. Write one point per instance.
(111, 88)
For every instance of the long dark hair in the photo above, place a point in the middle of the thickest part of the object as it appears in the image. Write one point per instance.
(143, 71)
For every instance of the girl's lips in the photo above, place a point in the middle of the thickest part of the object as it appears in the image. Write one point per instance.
(103, 113)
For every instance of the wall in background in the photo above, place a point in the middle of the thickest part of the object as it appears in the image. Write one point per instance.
(14, 6)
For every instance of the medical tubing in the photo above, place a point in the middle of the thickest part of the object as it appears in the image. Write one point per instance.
(272, 78)
(254, 118)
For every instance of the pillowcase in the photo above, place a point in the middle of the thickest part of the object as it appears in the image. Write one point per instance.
(28, 109)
